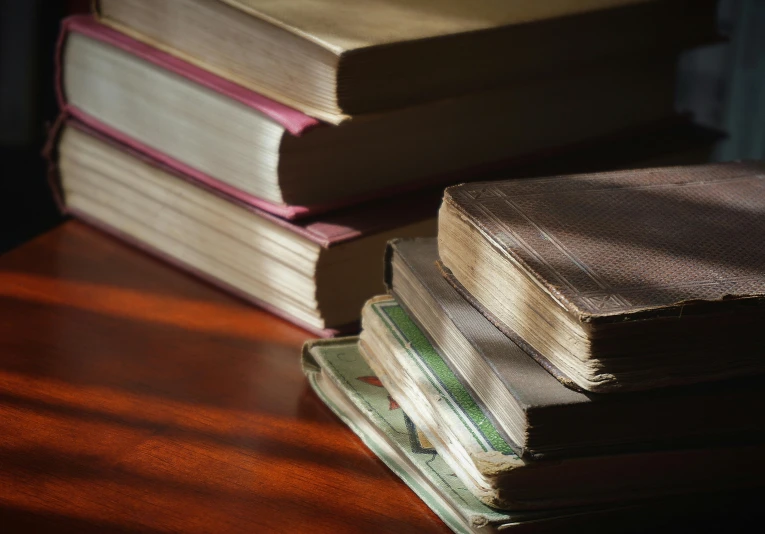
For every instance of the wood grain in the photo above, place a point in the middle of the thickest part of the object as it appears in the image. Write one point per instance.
(134, 398)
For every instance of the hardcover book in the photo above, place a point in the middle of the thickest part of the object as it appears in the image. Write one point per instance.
(619, 281)
(317, 273)
(285, 162)
(343, 380)
(466, 438)
(333, 59)
(537, 414)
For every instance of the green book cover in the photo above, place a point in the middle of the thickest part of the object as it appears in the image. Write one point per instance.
(391, 435)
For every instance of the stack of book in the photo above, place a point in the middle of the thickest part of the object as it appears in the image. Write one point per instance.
(273, 148)
(574, 348)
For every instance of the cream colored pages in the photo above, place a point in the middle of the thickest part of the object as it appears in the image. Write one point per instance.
(343, 25)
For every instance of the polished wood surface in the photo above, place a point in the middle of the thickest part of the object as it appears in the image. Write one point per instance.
(134, 398)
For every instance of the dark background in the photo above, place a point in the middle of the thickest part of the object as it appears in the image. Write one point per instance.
(28, 31)
(723, 85)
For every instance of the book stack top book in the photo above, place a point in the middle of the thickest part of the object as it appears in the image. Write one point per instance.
(621, 281)
(354, 58)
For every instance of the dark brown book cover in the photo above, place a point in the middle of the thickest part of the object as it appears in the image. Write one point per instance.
(561, 422)
(623, 281)
(623, 245)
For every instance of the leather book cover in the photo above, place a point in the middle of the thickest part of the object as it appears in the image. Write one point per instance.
(629, 245)
(590, 423)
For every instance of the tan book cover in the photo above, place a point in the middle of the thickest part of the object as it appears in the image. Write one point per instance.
(343, 26)
(336, 59)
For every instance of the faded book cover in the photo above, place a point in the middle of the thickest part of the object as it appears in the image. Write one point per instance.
(623, 245)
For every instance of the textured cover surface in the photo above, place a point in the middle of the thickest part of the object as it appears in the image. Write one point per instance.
(340, 26)
(589, 423)
(327, 230)
(612, 246)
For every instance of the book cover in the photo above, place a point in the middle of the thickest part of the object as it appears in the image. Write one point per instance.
(618, 246)
(623, 281)
(557, 419)
(342, 379)
(384, 427)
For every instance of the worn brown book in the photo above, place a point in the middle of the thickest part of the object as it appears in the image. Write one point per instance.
(333, 59)
(620, 281)
(537, 415)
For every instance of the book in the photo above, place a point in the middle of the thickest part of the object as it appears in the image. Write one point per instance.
(293, 165)
(621, 281)
(343, 380)
(316, 272)
(464, 435)
(333, 59)
(538, 415)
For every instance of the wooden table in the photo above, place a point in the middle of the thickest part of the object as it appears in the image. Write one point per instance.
(134, 398)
